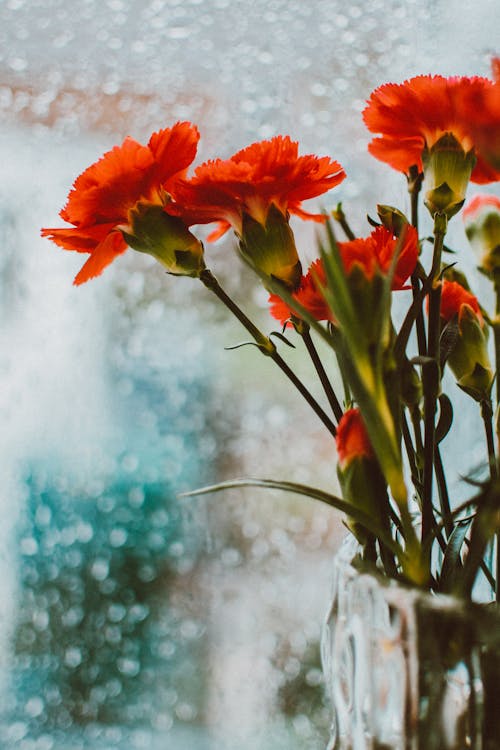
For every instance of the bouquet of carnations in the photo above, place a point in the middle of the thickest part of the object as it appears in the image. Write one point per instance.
(393, 413)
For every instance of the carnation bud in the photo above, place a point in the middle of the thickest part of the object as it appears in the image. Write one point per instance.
(151, 230)
(411, 384)
(270, 248)
(392, 218)
(447, 170)
(468, 358)
(359, 474)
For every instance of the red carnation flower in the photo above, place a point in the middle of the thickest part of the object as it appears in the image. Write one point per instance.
(263, 174)
(375, 253)
(254, 192)
(128, 178)
(416, 114)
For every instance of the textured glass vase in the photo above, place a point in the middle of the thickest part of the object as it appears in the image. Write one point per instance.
(409, 671)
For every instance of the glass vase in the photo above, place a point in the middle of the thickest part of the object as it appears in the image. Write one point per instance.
(407, 670)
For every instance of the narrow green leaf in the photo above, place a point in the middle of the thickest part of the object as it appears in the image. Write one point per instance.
(301, 489)
(282, 338)
(372, 222)
(452, 562)
(445, 418)
(241, 345)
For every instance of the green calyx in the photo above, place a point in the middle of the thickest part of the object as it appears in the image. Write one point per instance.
(166, 238)
(366, 294)
(469, 360)
(392, 219)
(447, 171)
(363, 485)
(270, 248)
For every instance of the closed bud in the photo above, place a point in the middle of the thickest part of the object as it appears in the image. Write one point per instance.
(411, 384)
(392, 219)
(358, 470)
(270, 248)
(151, 230)
(447, 170)
(468, 358)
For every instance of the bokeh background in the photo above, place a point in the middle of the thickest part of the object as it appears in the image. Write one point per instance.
(132, 619)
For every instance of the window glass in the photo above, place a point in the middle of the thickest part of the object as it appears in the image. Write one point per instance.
(132, 618)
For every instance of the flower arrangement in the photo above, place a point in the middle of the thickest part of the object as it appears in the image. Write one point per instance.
(390, 421)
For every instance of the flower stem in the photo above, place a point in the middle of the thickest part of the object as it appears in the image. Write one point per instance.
(496, 332)
(410, 452)
(266, 346)
(305, 332)
(444, 499)
(487, 417)
(431, 377)
(415, 179)
(414, 185)
(340, 217)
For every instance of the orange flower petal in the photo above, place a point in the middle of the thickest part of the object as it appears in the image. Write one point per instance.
(103, 255)
(352, 439)
(453, 297)
(377, 251)
(308, 295)
(81, 240)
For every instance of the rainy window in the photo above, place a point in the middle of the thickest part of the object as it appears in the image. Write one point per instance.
(134, 618)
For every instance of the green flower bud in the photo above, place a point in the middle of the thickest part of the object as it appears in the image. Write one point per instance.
(469, 360)
(151, 230)
(411, 384)
(447, 170)
(270, 249)
(392, 218)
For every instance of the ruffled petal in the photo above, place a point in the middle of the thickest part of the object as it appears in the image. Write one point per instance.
(81, 240)
(407, 117)
(103, 255)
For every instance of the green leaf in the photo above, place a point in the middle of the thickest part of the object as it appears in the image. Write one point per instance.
(452, 562)
(316, 494)
(241, 345)
(373, 222)
(283, 338)
(445, 418)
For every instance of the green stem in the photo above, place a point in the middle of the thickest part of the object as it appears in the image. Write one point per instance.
(415, 179)
(304, 330)
(496, 332)
(266, 346)
(410, 452)
(487, 417)
(414, 185)
(444, 499)
(431, 378)
(339, 216)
